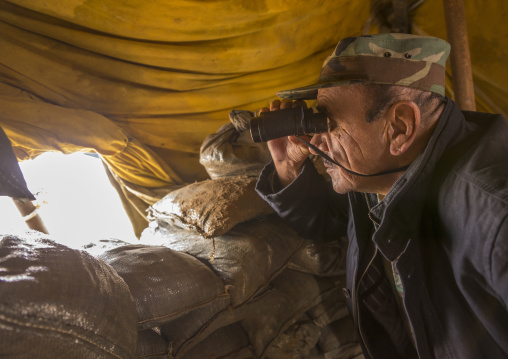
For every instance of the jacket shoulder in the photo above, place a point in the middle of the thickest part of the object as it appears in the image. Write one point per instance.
(485, 164)
(473, 198)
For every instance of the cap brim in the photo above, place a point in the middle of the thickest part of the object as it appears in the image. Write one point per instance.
(309, 92)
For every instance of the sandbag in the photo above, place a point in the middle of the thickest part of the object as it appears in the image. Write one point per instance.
(265, 317)
(98, 247)
(231, 342)
(296, 342)
(195, 329)
(58, 302)
(339, 340)
(230, 152)
(247, 258)
(211, 207)
(321, 258)
(152, 345)
(166, 284)
(185, 332)
(315, 354)
(270, 314)
(332, 308)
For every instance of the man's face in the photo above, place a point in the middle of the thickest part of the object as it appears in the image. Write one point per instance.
(351, 141)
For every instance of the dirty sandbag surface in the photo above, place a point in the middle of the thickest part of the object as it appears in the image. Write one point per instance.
(332, 308)
(276, 324)
(321, 258)
(270, 314)
(186, 331)
(254, 261)
(339, 340)
(58, 302)
(98, 247)
(231, 152)
(230, 342)
(247, 258)
(297, 341)
(284, 290)
(211, 207)
(166, 284)
(152, 345)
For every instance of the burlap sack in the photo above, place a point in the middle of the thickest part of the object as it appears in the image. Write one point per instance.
(332, 308)
(339, 340)
(270, 314)
(98, 247)
(185, 332)
(57, 302)
(231, 151)
(267, 318)
(211, 207)
(151, 345)
(247, 258)
(321, 258)
(231, 342)
(166, 284)
(296, 342)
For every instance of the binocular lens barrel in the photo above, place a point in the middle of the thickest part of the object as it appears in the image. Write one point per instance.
(289, 122)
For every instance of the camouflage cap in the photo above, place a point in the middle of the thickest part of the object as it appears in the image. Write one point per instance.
(396, 59)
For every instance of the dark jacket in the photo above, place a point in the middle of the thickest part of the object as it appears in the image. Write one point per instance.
(443, 224)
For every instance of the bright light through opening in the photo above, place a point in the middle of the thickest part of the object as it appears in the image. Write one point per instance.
(76, 201)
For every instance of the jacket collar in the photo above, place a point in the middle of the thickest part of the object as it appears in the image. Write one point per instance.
(399, 213)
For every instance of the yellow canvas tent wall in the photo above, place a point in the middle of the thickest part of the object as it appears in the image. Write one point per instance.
(142, 83)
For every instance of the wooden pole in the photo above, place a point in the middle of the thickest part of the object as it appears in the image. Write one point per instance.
(401, 16)
(30, 215)
(462, 74)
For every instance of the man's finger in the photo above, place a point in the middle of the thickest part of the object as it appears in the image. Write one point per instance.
(286, 104)
(275, 105)
(263, 109)
(299, 103)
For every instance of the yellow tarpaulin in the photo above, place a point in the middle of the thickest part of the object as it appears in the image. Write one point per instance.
(143, 83)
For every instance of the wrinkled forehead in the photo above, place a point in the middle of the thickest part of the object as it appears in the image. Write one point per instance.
(334, 94)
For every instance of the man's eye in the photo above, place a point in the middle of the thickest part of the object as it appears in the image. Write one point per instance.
(332, 124)
(322, 109)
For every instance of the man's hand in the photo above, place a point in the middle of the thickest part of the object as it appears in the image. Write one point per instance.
(288, 153)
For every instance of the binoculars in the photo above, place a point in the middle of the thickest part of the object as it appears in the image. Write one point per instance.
(288, 122)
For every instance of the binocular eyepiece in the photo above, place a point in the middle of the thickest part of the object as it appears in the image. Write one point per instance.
(288, 122)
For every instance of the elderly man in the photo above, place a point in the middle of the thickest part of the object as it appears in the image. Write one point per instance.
(420, 189)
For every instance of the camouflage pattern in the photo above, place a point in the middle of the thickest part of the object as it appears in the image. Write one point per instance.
(396, 59)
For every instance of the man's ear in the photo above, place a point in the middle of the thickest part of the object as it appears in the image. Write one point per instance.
(403, 124)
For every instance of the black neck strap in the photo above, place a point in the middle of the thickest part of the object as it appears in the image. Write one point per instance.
(326, 157)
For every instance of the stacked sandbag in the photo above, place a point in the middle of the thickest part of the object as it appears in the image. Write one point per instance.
(211, 207)
(218, 275)
(285, 292)
(230, 152)
(167, 286)
(57, 302)
(247, 258)
(152, 345)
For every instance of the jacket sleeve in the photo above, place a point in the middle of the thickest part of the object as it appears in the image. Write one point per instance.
(499, 263)
(309, 204)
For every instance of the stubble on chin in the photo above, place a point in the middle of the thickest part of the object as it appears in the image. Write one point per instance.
(340, 181)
